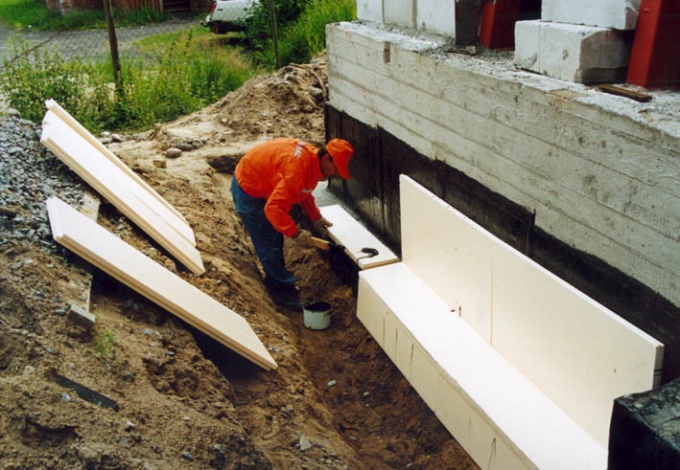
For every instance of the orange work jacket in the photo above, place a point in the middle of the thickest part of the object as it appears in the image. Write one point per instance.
(283, 171)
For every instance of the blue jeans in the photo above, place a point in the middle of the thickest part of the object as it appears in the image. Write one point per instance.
(267, 240)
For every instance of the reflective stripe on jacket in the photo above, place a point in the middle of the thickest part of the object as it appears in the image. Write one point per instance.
(285, 172)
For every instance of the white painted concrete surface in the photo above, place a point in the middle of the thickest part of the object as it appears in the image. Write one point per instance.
(581, 54)
(617, 14)
(600, 171)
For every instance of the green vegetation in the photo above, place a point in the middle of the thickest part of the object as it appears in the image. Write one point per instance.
(105, 344)
(25, 14)
(301, 28)
(190, 74)
(181, 73)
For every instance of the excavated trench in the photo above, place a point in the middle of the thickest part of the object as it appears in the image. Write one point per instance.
(335, 401)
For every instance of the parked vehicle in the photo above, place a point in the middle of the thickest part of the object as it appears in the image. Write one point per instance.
(228, 15)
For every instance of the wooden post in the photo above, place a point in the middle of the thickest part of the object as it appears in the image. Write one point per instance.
(275, 35)
(113, 45)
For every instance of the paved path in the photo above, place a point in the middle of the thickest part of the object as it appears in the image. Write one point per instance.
(85, 44)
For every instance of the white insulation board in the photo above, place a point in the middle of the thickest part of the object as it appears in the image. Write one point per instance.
(125, 193)
(579, 353)
(350, 233)
(183, 226)
(131, 267)
(496, 413)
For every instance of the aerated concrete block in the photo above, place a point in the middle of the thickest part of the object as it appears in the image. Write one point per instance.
(437, 16)
(581, 54)
(616, 14)
(645, 430)
(370, 10)
(400, 12)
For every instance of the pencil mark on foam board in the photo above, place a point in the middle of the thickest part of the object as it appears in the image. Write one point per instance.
(492, 456)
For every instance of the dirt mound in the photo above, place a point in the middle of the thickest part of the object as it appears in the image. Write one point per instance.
(177, 399)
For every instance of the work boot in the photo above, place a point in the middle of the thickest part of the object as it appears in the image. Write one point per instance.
(289, 300)
(274, 285)
(284, 295)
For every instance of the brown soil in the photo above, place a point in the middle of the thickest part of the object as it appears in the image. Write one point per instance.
(336, 401)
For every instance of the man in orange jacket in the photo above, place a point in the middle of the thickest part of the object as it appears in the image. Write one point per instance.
(268, 180)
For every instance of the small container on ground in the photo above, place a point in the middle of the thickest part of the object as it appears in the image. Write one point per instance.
(317, 315)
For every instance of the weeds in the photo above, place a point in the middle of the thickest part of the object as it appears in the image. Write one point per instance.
(307, 37)
(105, 344)
(34, 77)
(180, 74)
(23, 14)
(176, 77)
(302, 29)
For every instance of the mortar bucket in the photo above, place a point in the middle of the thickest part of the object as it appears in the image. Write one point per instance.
(317, 315)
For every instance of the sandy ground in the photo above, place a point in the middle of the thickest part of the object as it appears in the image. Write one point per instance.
(181, 400)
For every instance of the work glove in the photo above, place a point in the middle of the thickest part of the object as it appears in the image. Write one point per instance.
(303, 238)
(321, 226)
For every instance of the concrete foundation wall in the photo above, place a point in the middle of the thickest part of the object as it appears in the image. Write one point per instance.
(586, 182)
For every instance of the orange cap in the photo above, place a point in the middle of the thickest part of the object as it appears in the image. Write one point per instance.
(341, 151)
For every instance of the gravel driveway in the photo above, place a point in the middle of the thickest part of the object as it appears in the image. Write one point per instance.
(87, 44)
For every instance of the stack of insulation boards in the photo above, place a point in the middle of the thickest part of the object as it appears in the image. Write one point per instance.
(105, 172)
(116, 182)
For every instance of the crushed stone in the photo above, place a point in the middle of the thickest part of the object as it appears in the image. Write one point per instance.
(29, 175)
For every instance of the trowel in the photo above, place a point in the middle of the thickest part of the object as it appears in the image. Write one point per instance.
(326, 244)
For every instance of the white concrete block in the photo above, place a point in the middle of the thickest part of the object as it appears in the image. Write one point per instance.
(582, 54)
(370, 10)
(437, 16)
(400, 12)
(616, 14)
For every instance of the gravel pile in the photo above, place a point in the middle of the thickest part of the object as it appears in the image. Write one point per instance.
(29, 175)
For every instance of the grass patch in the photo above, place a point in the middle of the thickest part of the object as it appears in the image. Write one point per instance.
(303, 37)
(32, 14)
(105, 344)
(21, 14)
(181, 73)
(307, 36)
